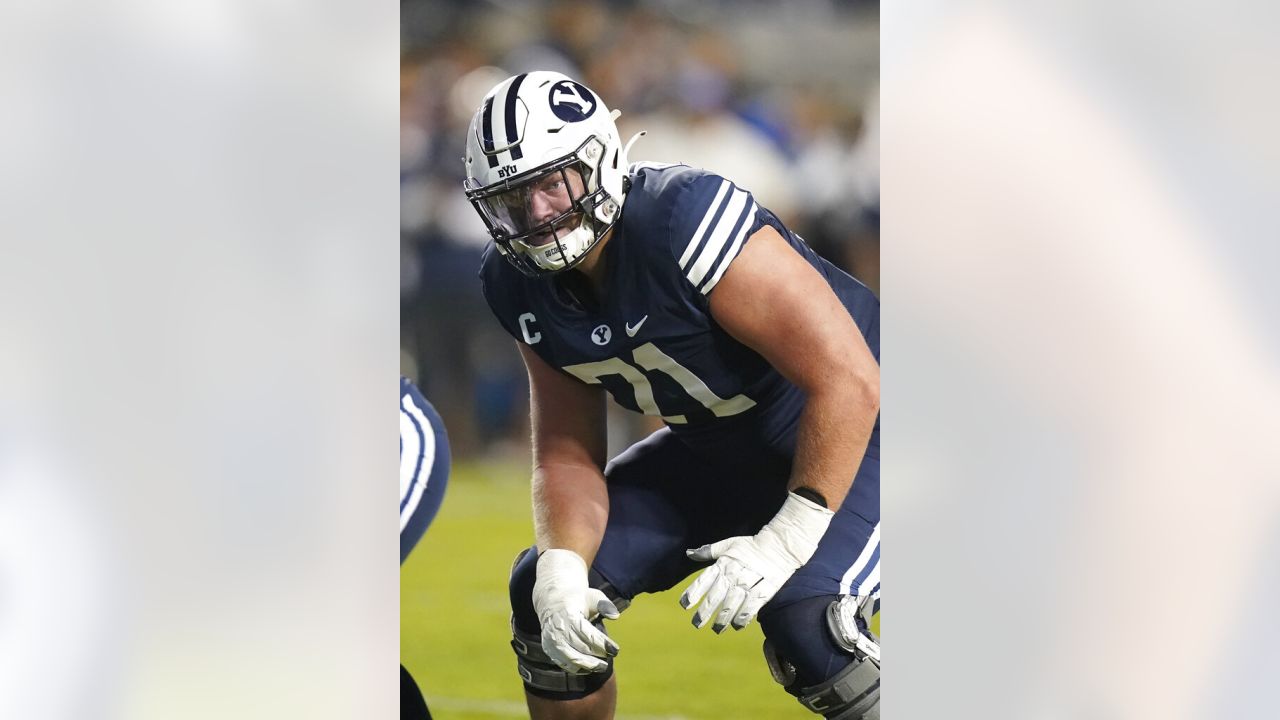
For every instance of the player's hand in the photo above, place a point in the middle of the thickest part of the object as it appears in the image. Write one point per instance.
(566, 605)
(750, 569)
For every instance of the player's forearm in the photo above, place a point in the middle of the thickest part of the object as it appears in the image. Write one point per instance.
(570, 508)
(835, 428)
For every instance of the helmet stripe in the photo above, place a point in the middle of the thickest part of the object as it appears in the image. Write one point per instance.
(486, 126)
(486, 131)
(509, 116)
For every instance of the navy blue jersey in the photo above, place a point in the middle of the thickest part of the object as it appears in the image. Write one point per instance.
(652, 342)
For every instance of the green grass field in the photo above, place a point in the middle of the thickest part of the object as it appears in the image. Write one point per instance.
(454, 630)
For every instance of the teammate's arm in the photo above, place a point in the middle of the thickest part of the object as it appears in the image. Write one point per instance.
(570, 510)
(772, 300)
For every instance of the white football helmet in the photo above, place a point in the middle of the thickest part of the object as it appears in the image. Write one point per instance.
(545, 170)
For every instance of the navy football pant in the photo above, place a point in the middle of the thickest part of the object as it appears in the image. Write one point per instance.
(665, 499)
(412, 705)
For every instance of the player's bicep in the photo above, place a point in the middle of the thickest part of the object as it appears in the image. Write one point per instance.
(568, 416)
(772, 300)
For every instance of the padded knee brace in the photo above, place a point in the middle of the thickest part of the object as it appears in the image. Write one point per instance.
(835, 673)
(541, 676)
(852, 694)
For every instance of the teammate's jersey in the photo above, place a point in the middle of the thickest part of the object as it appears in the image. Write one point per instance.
(424, 465)
(652, 342)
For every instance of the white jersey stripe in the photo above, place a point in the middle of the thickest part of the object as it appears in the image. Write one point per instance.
(865, 557)
(872, 581)
(730, 221)
(733, 250)
(418, 440)
(410, 452)
(702, 228)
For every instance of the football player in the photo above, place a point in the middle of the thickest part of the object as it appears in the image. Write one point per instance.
(424, 472)
(675, 292)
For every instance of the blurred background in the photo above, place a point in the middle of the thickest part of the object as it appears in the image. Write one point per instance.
(781, 99)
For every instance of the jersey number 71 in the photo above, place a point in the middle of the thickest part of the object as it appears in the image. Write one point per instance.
(649, 357)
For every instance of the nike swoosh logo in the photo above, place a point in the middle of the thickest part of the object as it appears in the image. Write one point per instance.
(631, 331)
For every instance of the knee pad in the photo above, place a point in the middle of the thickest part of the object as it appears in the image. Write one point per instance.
(799, 632)
(820, 651)
(520, 585)
(541, 676)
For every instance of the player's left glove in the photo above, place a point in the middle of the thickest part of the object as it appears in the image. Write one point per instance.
(750, 569)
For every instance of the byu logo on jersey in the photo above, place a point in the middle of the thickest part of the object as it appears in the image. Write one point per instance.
(601, 335)
(571, 102)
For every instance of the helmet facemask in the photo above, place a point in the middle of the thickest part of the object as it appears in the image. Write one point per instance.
(546, 220)
(532, 131)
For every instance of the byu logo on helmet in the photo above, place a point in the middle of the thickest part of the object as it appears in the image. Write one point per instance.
(601, 335)
(571, 102)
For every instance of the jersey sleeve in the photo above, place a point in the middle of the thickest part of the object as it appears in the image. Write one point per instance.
(497, 290)
(712, 219)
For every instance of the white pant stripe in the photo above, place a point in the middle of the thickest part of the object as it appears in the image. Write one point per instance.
(865, 557)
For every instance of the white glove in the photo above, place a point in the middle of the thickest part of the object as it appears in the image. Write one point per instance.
(750, 569)
(566, 606)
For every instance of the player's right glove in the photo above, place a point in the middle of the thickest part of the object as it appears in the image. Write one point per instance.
(566, 605)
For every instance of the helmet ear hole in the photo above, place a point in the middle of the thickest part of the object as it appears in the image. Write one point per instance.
(615, 158)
